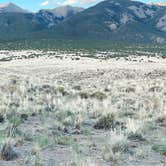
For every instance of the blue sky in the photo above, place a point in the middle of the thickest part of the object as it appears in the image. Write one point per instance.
(34, 5)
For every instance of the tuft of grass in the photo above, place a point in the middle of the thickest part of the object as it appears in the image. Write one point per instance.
(43, 142)
(150, 126)
(63, 140)
(15, 120)
(160, 149)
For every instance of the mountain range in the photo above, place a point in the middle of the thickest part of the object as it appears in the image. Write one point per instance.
(110, 20)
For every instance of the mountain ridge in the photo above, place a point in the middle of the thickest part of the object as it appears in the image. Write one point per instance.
(11, 7)
(117, 20)
(112, 20)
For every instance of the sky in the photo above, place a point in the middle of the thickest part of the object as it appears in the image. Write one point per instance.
(35, 5)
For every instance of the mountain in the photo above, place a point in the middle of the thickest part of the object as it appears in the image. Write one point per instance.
(64, 11)
(14, 26)
(115, 20)
(52, 17)
(110, 20)
(11, 8)
(16, 23)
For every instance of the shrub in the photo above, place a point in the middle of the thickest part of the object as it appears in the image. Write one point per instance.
(106, 122)
(99, 95)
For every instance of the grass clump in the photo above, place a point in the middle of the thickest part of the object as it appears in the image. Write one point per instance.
(43, 142)
(63, 140)
(160, 149)
(106, 122)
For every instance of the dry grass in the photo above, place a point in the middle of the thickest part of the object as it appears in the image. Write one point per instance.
(103, 111)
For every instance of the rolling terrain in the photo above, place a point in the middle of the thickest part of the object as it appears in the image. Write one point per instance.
(68, 110)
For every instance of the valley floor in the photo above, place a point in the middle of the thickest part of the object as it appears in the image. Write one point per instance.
(81, 111)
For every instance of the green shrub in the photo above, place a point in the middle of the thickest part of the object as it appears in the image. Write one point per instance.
(106, 122)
